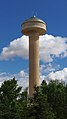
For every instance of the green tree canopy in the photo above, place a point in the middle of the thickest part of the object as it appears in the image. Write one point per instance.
(49, 101)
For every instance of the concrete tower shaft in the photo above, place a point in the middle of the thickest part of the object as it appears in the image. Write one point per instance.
(33, 27)
(33, 61)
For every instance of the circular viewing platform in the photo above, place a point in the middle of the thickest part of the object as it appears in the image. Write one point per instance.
(35, 25)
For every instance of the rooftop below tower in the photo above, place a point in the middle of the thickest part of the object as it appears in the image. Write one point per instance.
(33, 24)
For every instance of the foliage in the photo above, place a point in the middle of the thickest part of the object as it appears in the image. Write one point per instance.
(49, 101)
(57, 97)
(38, 107)
(10, 106)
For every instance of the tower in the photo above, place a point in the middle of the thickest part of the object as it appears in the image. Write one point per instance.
(33, 27)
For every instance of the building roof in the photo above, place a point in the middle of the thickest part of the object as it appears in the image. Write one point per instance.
(35, 19)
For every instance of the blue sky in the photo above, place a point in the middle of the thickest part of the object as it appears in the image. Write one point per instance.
(14, 46)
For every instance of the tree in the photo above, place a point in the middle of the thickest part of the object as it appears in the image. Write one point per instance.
(49, 101)
(38, 107)
(9, 94)
(65, 103)
(55, 92)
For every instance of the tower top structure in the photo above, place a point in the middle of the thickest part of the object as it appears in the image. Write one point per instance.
(33, 24)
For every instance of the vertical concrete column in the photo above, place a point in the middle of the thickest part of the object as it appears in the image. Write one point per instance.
(33, 62)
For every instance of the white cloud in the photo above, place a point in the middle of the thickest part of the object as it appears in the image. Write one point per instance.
(18, 47)
(48, 67)
(23, 77)
(50, 46)
(59, 75)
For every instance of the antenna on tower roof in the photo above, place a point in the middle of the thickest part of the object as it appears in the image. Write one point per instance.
(34, 14)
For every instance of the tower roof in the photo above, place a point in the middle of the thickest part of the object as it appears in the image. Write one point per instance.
(34, 19)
